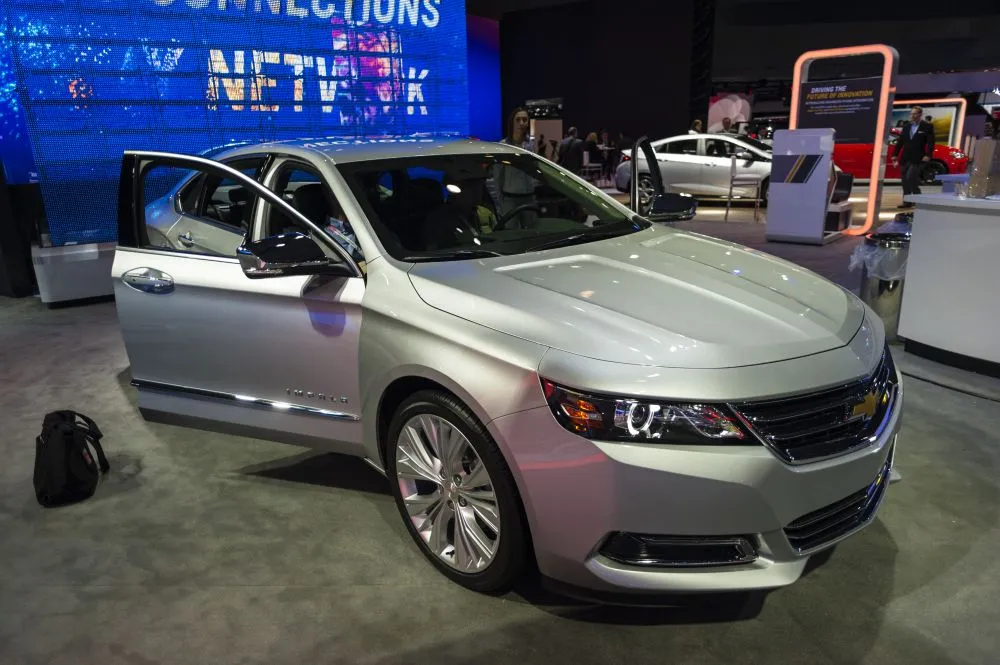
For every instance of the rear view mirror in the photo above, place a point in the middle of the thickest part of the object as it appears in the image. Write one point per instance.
(288, 254)
(745, 156)
(672, 208)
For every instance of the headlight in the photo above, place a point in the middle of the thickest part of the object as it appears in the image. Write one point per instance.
(642, 420)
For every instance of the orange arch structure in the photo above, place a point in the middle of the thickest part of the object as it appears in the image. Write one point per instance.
(890, 61)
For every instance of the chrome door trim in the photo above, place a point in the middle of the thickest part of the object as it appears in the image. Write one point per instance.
(245, 400)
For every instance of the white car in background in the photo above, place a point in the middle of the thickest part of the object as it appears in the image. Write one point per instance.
(701, 165)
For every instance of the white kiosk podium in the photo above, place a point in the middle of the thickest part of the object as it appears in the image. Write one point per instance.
(801, 186)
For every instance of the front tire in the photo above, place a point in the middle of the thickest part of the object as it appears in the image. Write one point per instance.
(455, 493)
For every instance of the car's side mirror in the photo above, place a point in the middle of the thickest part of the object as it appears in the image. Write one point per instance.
(671, 207)
(745, 156)
(288, 254)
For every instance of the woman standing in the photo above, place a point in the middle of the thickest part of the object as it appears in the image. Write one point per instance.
(514, 187)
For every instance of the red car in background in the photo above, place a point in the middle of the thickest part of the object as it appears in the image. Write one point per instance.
(856, 159)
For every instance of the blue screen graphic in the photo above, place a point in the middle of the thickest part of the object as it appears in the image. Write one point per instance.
(15, 149)
(97, 77)
(485, 121)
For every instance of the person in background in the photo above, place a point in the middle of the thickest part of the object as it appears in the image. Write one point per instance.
(727, 126)
(591, 147)
(514, 187)
(696, 127)
(611, 154)
(914, 146)
(571, 152)
(624, 142)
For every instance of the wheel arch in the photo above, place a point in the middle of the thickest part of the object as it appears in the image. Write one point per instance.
(398, 389)
(413, 379)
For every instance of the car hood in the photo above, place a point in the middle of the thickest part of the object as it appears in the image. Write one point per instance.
(660, 297)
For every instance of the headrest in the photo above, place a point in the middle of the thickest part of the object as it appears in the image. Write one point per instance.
(312, 202)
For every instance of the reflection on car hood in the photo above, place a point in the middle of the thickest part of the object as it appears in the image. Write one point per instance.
(660, 297)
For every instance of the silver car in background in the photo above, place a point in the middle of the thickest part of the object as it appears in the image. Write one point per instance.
(701, 165)
(548, 378)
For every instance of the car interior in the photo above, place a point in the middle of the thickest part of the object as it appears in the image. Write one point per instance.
(423, 209)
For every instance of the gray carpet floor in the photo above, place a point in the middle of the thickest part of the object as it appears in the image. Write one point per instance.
(208, 548)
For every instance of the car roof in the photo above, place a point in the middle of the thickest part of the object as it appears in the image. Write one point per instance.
(704, 135)
(345, 150)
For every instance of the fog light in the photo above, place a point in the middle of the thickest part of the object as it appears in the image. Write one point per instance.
(678, 551)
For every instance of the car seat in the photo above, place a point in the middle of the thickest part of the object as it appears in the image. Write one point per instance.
(310, 200)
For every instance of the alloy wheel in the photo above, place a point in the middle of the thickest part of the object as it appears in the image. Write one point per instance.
(448, 493)
(646, 193)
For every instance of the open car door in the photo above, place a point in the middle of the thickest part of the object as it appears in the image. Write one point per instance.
(224, 326)
(648, 197)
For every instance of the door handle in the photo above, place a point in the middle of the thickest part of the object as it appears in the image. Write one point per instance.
(149, 280)
(186, 238)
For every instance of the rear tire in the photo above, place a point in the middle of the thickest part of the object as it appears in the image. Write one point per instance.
(930, 171)
(646, 189)
(476, 534)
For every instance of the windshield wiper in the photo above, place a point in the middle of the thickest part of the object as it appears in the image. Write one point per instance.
(586, 236)
(455, 255)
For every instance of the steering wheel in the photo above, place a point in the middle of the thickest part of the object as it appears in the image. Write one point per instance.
(502, 222)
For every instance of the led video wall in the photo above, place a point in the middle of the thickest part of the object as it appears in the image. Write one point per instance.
(97, 77)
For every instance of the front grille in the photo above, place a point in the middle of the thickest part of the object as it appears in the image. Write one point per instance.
(838, 519)
(828, 423)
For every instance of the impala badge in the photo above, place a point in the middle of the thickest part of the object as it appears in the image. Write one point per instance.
(320, 397)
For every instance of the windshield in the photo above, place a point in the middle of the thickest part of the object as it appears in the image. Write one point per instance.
(453, 207)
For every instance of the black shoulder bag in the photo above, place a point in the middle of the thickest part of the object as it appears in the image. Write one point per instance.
(65, 470)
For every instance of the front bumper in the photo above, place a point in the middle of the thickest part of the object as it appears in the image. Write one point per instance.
(576, 492)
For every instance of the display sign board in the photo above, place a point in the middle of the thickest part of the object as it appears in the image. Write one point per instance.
(97, 77)
(848, 106)
(801, 184)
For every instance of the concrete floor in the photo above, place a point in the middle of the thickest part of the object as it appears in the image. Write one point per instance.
(206, 548)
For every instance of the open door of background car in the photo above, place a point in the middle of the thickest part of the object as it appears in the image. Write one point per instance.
(648, 196)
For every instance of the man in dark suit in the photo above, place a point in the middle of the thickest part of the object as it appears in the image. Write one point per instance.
(914, 146)
(571, 152)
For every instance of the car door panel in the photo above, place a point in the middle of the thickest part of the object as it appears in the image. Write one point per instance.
(681, 171)
(282, 346)
(202, 236)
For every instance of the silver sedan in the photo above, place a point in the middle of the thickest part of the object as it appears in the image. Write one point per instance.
(538, 371)
(702, 165)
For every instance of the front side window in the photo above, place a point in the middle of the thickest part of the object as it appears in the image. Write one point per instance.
(442, 207)
(720, 148)
(303, 189)
(209, 214)
(223, 201)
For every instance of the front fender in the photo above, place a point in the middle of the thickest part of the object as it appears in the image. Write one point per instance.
(493, 373)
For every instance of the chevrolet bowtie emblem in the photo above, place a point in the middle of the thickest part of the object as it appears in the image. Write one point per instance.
(866, 407)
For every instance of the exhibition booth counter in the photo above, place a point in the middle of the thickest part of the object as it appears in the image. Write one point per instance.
(951, 302)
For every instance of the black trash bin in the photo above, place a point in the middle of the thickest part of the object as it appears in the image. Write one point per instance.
(882, 259)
